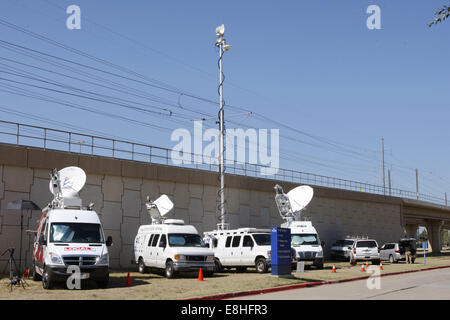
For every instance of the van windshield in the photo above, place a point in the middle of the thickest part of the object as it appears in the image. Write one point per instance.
(304, 239)
(262, 239)
(76, 232)
(185, 240)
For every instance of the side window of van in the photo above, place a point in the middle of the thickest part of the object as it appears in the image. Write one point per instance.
(248, 241)
(228, 243)
(163, 239)
(236, 240)
(155, 240)
(150, 240)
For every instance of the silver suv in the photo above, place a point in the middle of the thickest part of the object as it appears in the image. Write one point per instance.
(365, 250)
(395, 252)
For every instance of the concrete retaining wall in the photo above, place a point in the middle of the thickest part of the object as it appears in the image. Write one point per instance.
(119, 189)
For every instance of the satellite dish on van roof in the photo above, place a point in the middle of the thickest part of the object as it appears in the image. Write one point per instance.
(159, 208)
(291, 204)
(71, 181)
(300, 197)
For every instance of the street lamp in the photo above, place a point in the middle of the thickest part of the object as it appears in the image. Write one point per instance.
(223, 47)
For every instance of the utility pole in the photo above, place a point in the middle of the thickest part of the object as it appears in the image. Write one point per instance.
(382, 164)
(223, 47)
(417, 183)
(389, 181)
(446, 199)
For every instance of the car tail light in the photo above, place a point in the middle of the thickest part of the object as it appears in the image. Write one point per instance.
(397, 251)
(354, 250)
(378, 250)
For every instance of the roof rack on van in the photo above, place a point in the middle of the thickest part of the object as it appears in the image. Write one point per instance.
(236, 231)
(357, 237)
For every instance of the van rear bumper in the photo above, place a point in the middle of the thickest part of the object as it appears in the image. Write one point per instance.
(95, 273)
(189, 266)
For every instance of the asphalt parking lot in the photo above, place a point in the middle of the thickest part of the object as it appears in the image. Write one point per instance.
(155, 286)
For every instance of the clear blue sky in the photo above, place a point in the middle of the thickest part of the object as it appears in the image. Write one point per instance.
(310, 64)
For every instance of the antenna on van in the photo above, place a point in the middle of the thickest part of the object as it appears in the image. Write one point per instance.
(65, 185)
(291, 205)
(159, 208)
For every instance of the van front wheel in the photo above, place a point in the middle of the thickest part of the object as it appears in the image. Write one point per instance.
(47, 281)
(170, 271)
(141, 266)
(261, 265)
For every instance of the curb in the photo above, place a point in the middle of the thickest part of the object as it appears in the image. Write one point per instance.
(300, 286)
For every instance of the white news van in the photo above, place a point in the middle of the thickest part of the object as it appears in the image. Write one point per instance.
(304, 237)
(241, 248)
(169, 244)
(306, 242)
(69, 235)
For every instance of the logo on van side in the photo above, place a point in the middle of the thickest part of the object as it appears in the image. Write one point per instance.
(77, 249)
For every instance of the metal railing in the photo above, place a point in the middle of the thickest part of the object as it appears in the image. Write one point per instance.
(54, 139)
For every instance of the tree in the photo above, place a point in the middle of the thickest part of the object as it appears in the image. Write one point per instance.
(423, 236)
(441, 14)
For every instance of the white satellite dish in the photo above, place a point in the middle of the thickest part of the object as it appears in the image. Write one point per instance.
(300, 197)
(71, 180)
(159, 208)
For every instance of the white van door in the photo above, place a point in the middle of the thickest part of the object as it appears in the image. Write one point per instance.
(235, 251)
(153, 251)
(247, 256)
(161, 252)
(147, 249)
(224, 253)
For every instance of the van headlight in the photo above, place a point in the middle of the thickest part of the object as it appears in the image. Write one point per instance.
(55, 258)
(179, 257)
(319, 254)
(103, 259)
(210, 258)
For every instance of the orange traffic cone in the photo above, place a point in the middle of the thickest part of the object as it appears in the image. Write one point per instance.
(200, 275)
(381, 266)
(363, 267)
(128, 284)
(367, 264)
(334, 268)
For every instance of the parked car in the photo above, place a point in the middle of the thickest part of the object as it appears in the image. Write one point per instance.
(365, 250)
(340, 250)
(395, 252)
(391, 252)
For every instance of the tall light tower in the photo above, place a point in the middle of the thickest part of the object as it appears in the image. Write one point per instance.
(223, 47)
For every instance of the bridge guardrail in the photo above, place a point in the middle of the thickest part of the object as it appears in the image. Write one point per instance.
(61, 140)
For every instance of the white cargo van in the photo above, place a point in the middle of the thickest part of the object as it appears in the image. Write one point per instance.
(304, 237)
(306, 242)
(169, 244)
(241, 248)
(69, 234)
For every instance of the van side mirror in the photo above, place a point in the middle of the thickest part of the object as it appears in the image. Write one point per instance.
(109, 241)
(162, 244)
(322, 243)
(42, 240)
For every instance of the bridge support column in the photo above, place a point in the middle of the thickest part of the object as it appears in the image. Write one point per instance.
(434, 228)
(411, 230)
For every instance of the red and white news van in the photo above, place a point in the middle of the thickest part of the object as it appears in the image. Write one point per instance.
(69, 234)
